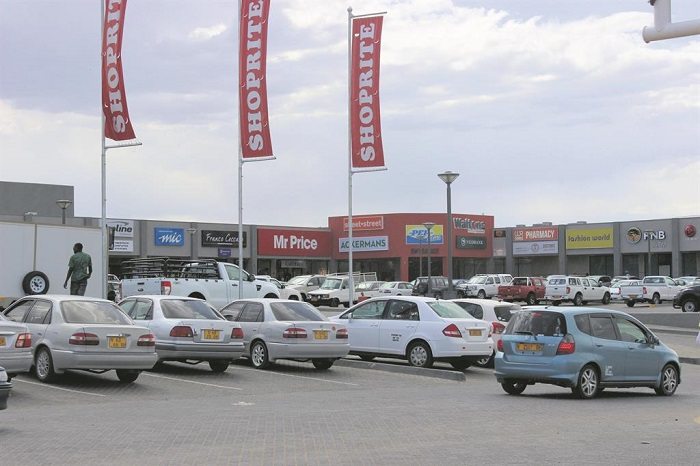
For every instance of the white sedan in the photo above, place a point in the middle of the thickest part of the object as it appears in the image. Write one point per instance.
(497, 313)
(287, 329)
(395, 289)
(76, 332)
(419, 329)
(187, 329)
(15, 347)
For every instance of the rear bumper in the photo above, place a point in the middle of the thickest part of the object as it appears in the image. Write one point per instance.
(557, 371)
(63, 360)
(5, 389)
(201, 351)
(457, 347)
(16, 363)
(307, 351)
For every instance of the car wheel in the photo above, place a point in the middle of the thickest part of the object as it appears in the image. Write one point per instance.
(367, 357)
(689, 305)
(656, 299)
(481, 294)
(322, 364)
(127, 375)
(460, 364)
(588, 383)
(513, 387)
(630, 303)
(35, 282)
(43, 364)
(335, 302)
(606, 298)
(218, 366)
(531, 300)
(258, 355)
(578, 299)
(484, 362)
(419, 355)
(556, 303)
(669, 381)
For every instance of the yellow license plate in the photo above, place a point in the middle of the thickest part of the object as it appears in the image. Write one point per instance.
(117, 342)
(474, 332)
(529, 346)
(321, 334)
(211, 334)
(3, 342)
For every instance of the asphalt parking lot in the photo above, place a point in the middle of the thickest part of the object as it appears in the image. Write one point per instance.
(293, 414)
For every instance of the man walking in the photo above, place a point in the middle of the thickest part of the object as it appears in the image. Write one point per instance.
(79, 270)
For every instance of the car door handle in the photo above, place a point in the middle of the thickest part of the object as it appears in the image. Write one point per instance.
(599, 345)
(410, 326)
(234, 284)
(374, 325)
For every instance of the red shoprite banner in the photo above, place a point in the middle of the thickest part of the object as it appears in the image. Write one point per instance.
(117, 123)
(252, 81)
(365, 125)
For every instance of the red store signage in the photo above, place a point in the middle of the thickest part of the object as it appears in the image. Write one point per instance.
(536, 234)
(308, 243)
(365, 223)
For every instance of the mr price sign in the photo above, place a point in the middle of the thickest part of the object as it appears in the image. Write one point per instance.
(275, 242)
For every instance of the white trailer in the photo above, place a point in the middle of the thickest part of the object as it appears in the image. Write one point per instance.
(34, 258)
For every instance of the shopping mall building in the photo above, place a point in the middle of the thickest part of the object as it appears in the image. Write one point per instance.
(395, 245)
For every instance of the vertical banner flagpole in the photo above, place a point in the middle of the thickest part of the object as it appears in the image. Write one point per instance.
(240, 164)
(103, 169)
(351, 284)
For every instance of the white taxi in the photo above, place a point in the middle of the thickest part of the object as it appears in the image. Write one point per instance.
(419, 329)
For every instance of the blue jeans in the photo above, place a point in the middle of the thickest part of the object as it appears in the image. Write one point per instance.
(78, 288)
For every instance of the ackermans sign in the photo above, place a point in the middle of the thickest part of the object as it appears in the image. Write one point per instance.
(364, 244)
(278, 242)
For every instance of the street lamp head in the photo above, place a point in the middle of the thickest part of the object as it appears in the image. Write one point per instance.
(428, 225)
(64, 203)
(448, 176)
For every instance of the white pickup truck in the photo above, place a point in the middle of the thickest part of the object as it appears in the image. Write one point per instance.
(334, 290)
(653, 289)
(216, 282)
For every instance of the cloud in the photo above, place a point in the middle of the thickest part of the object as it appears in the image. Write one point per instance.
(206, 33)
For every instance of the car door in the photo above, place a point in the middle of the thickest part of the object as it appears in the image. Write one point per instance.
(399, 323)
(17, 312)
(363, 326)
(250, 319)
(669, 291)
(610, 351)
(643, 360)
(38, 319)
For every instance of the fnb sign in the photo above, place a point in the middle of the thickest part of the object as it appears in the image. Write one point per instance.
(277, 242)
(366, 223)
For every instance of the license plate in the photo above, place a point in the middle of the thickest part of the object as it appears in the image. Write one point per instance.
(474, 332)
(321, 334)
(529, 346)
(3, 342)
(556, 296)
(209, 334)
(117, 342)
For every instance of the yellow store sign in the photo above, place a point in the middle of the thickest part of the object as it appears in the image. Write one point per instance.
(590, 238)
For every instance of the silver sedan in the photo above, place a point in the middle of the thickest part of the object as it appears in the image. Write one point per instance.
(15, 347)
(76, 332)
(285, 329)
(187, 329)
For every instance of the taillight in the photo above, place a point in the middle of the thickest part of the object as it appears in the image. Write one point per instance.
(165, 287)
(497, 327)
(237, 333)
(499, 345)
(181, 331)
(24, 340)
(82, 338)
(452, 331)
(342, 333)
(146, 340)
(567, 345)
(568, 289)
(644, 290)
(294, 332)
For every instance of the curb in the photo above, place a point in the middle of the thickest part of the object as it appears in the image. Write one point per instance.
(695, 361)
(675, 331)
(410, 370)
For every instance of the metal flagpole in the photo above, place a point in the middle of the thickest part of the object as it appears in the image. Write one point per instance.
(351, 284)
(240, 172)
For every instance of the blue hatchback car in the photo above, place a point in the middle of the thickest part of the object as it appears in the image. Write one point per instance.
(586, 350)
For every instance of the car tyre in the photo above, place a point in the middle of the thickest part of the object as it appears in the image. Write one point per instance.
(335, 302)
(588, 383)
(218, 366)
(322, 364)
(669, 381)
(578, 299)
(485, 362)
(556, 303)
(531, 300)
(481, 294)
(35, 282)
(606, 298)
(513, 387)
(127, 375)
(367, 357)
(630, 303)
(43, 365)
(419, 355)
(689, 305)
(460, 364)
(258, 355)
(656, 299)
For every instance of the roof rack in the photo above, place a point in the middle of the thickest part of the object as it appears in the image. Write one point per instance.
(173, 268)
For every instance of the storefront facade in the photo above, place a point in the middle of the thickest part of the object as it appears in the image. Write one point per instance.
(285, 252)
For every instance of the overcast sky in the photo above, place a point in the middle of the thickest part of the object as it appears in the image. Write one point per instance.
(550, 110)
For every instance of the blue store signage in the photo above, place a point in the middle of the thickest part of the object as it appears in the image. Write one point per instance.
(169, 236)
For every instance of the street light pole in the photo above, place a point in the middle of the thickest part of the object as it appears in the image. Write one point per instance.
(420, 256)
(192, 232)
(448, 177)
(63, 204)
(428, 226)
(648, 235)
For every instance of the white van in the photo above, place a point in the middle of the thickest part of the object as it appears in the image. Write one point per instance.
(334, 290)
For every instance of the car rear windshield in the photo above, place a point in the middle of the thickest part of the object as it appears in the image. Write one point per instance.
(544, 323)
(557, 281)
(295, 312)
(504, 313)
(449, 310)
(187, 309)
(93, 312)
(300, 280)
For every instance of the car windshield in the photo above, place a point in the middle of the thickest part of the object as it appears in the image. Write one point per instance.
(519, 281)
(557, 281)
(449, 310)
(187, 309)
(93, 312)
(331, 284)
(388, 285)
(300, 280)
(545, 323)
(296, 312)
(477, 280)
(504, 313)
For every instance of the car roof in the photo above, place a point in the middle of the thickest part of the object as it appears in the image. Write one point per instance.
(63, 297)
(570, 310)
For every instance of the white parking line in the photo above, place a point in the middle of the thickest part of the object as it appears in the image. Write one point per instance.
(58, 388)
(297, 376)
(191, 381)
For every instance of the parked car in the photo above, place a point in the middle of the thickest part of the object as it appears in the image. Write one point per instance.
(396, 289)
(187, 329)
(77, 332)
(366, 290)
(652, 289)
(528, 289)
(586, 350)
(483, 286)
(687, 299)
(282, 329)
(497, 313)
(617, 278)
(285, 291)
(419, 329)
(687, 281)
(576, 290)
(616, 287)
(438, 286)
(114, 288)
(5, 388)
(334, 291)
(305, 283)
(15, 347)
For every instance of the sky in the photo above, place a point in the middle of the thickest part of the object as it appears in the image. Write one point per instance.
(550, 110)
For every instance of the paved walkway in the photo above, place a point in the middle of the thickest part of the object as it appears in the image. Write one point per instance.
(682, 340)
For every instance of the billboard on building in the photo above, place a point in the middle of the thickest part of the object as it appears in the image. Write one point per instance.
(589, 238)
(418, 234)
(285, 242)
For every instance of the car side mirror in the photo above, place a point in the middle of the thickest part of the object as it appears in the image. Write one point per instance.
(310, 284)
(251, 278)
(652, 340)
